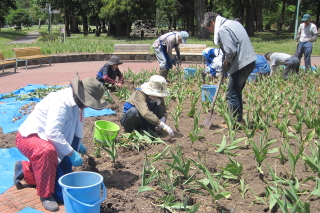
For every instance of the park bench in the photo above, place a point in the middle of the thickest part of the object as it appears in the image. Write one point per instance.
(4, 62)
(187, 50)
(30, 53)
(17, 28)
(132, 49)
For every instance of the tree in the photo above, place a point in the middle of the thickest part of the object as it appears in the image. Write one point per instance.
(20, 17)
(5, 6)
(121, 14)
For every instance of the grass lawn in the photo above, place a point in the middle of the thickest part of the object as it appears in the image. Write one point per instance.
(262, 42)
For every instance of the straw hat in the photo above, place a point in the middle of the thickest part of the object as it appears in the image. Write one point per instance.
(89, 91)
(114, 60)
(157, 86)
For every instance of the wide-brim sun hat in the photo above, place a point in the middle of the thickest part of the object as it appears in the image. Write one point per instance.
(89, 91)
(157, 86)
(184, 36)
(305, 17)
(114, 60)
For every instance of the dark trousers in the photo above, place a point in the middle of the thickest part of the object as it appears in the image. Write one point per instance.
(132, 119)
(237, 81)
(292, 65)
(306, 49)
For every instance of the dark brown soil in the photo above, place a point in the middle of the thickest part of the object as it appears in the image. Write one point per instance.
(123, 178)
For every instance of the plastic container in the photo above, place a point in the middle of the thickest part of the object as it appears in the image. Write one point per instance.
(208, 91)
(82, 192)
(105, 130)
(252, 77)
(189, 72)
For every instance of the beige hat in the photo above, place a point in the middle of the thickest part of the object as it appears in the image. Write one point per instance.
(157, 86)
(89, 91)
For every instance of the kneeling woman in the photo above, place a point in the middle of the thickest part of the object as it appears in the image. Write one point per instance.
(145, 107)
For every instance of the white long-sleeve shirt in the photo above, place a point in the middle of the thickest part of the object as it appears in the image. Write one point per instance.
(277, 59)
(56, 119)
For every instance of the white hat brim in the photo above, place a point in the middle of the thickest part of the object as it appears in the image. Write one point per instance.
(149, 91)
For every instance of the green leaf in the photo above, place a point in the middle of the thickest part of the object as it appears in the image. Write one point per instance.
(144, 189)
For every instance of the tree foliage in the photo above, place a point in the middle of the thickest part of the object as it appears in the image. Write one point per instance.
(5, 6)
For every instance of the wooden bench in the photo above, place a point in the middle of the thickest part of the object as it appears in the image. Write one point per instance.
(30, 53)
(17, 28)
(132, 49)
(4, 62)
(190, 50)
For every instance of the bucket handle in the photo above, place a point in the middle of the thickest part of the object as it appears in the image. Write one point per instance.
(103, 187)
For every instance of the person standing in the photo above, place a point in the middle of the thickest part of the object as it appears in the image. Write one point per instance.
(109, 72)
(163, 49)
(292, 63)
(306, 35)
(51, 137)
(239, 56)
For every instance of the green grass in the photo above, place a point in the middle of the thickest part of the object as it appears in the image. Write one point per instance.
(262, 42)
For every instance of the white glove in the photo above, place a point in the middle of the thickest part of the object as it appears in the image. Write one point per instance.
(166, 128)
(155, 100)
(163, 119)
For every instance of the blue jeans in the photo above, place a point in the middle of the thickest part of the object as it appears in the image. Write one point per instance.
(237, 81)
(306, 49)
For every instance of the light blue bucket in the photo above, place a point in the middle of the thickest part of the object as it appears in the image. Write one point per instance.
(189, 72)
(82, 192)
(252, 77)
(208, 91)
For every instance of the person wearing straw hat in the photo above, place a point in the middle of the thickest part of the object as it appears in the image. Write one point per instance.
(145, 108)
(306, 35)
(163, 49)
(239, 57)
(292, 63)
(109, 72)
(51, 138)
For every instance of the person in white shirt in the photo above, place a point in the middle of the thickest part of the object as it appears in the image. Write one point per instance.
(163, 50)
(52, 135)
(307, 34)
(292, 63)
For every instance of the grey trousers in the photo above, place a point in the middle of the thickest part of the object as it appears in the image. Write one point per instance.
(292, 65)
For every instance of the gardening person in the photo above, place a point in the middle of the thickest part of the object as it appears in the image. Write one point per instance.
(292, 63)
(145, 108)
(239, 56)
(51, 138)
(262, 66)
(109, 72)
(306, 35)
(213, 58)
(163, 49)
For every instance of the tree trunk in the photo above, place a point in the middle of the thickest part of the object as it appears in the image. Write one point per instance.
(128, 28)
(85, 24)
(250, 18)
(67, 23)
(74, 24)
(199, 8)
(259, 16)
(282, 15)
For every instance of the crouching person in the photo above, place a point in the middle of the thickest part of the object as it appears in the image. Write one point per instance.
(145, 109)
(51, 138)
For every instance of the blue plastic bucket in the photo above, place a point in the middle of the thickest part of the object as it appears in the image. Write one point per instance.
(208, 91)
(82, 192)
(189, 72)
(252, 77)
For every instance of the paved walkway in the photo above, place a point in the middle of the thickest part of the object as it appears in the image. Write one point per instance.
(28, 39)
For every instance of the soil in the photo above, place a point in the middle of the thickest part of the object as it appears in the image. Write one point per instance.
(123, 178)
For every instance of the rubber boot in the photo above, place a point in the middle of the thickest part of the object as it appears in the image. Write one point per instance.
(18, 175)
(49, 203)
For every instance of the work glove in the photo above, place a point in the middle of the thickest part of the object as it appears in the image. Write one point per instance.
(76, 159)
(225, 67)
(163, 119)
(166, 128)
(297, 39)
(82, 149)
